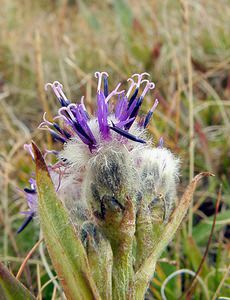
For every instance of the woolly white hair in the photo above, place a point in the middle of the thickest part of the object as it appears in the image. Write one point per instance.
(157, 168)
(163, 161)
(76, 154)
(159, 172)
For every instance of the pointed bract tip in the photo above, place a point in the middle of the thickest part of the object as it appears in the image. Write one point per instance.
(39, 160)
(201, 175)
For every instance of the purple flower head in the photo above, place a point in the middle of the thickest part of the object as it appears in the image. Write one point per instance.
(110, 118)
(114, 124)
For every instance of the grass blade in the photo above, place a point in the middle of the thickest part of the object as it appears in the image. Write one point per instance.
(11, 288)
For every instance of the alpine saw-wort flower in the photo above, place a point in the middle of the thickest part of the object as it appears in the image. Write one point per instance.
(107, 158)
(107, 155)
(110, 198)
(108, 205)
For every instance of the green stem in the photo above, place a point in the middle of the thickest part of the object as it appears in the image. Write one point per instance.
(141, 284)
(119, 228)
(122, 272)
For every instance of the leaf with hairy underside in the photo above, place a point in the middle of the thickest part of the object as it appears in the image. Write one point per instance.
(64, 245)
(11, 288)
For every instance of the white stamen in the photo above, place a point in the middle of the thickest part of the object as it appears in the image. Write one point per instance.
(28, 148)
(61, 113)
(114, 92)
(57, 84)
(68, 109)
(149, 86)
(59, 88)
(140, 76)
(44, 127)
(132, 85)
(45, 122)
(100, 75)
(82, 103)
(54, 88)
(47, 85)
(154, 105)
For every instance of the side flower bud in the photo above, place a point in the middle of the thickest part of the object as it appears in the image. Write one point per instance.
(159, 173)
(158, 170)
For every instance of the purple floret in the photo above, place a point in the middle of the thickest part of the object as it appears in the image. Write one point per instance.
(32, 201)
(102, 115)
(125, 112)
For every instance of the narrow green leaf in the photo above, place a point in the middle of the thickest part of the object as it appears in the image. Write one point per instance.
(194, 256)
(201, 231)
(11, 288)
(65, 248)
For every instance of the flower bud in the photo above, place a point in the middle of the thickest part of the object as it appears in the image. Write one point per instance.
(159, 175)
(158, 170)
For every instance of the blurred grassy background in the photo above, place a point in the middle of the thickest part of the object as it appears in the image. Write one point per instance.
(185, 46)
